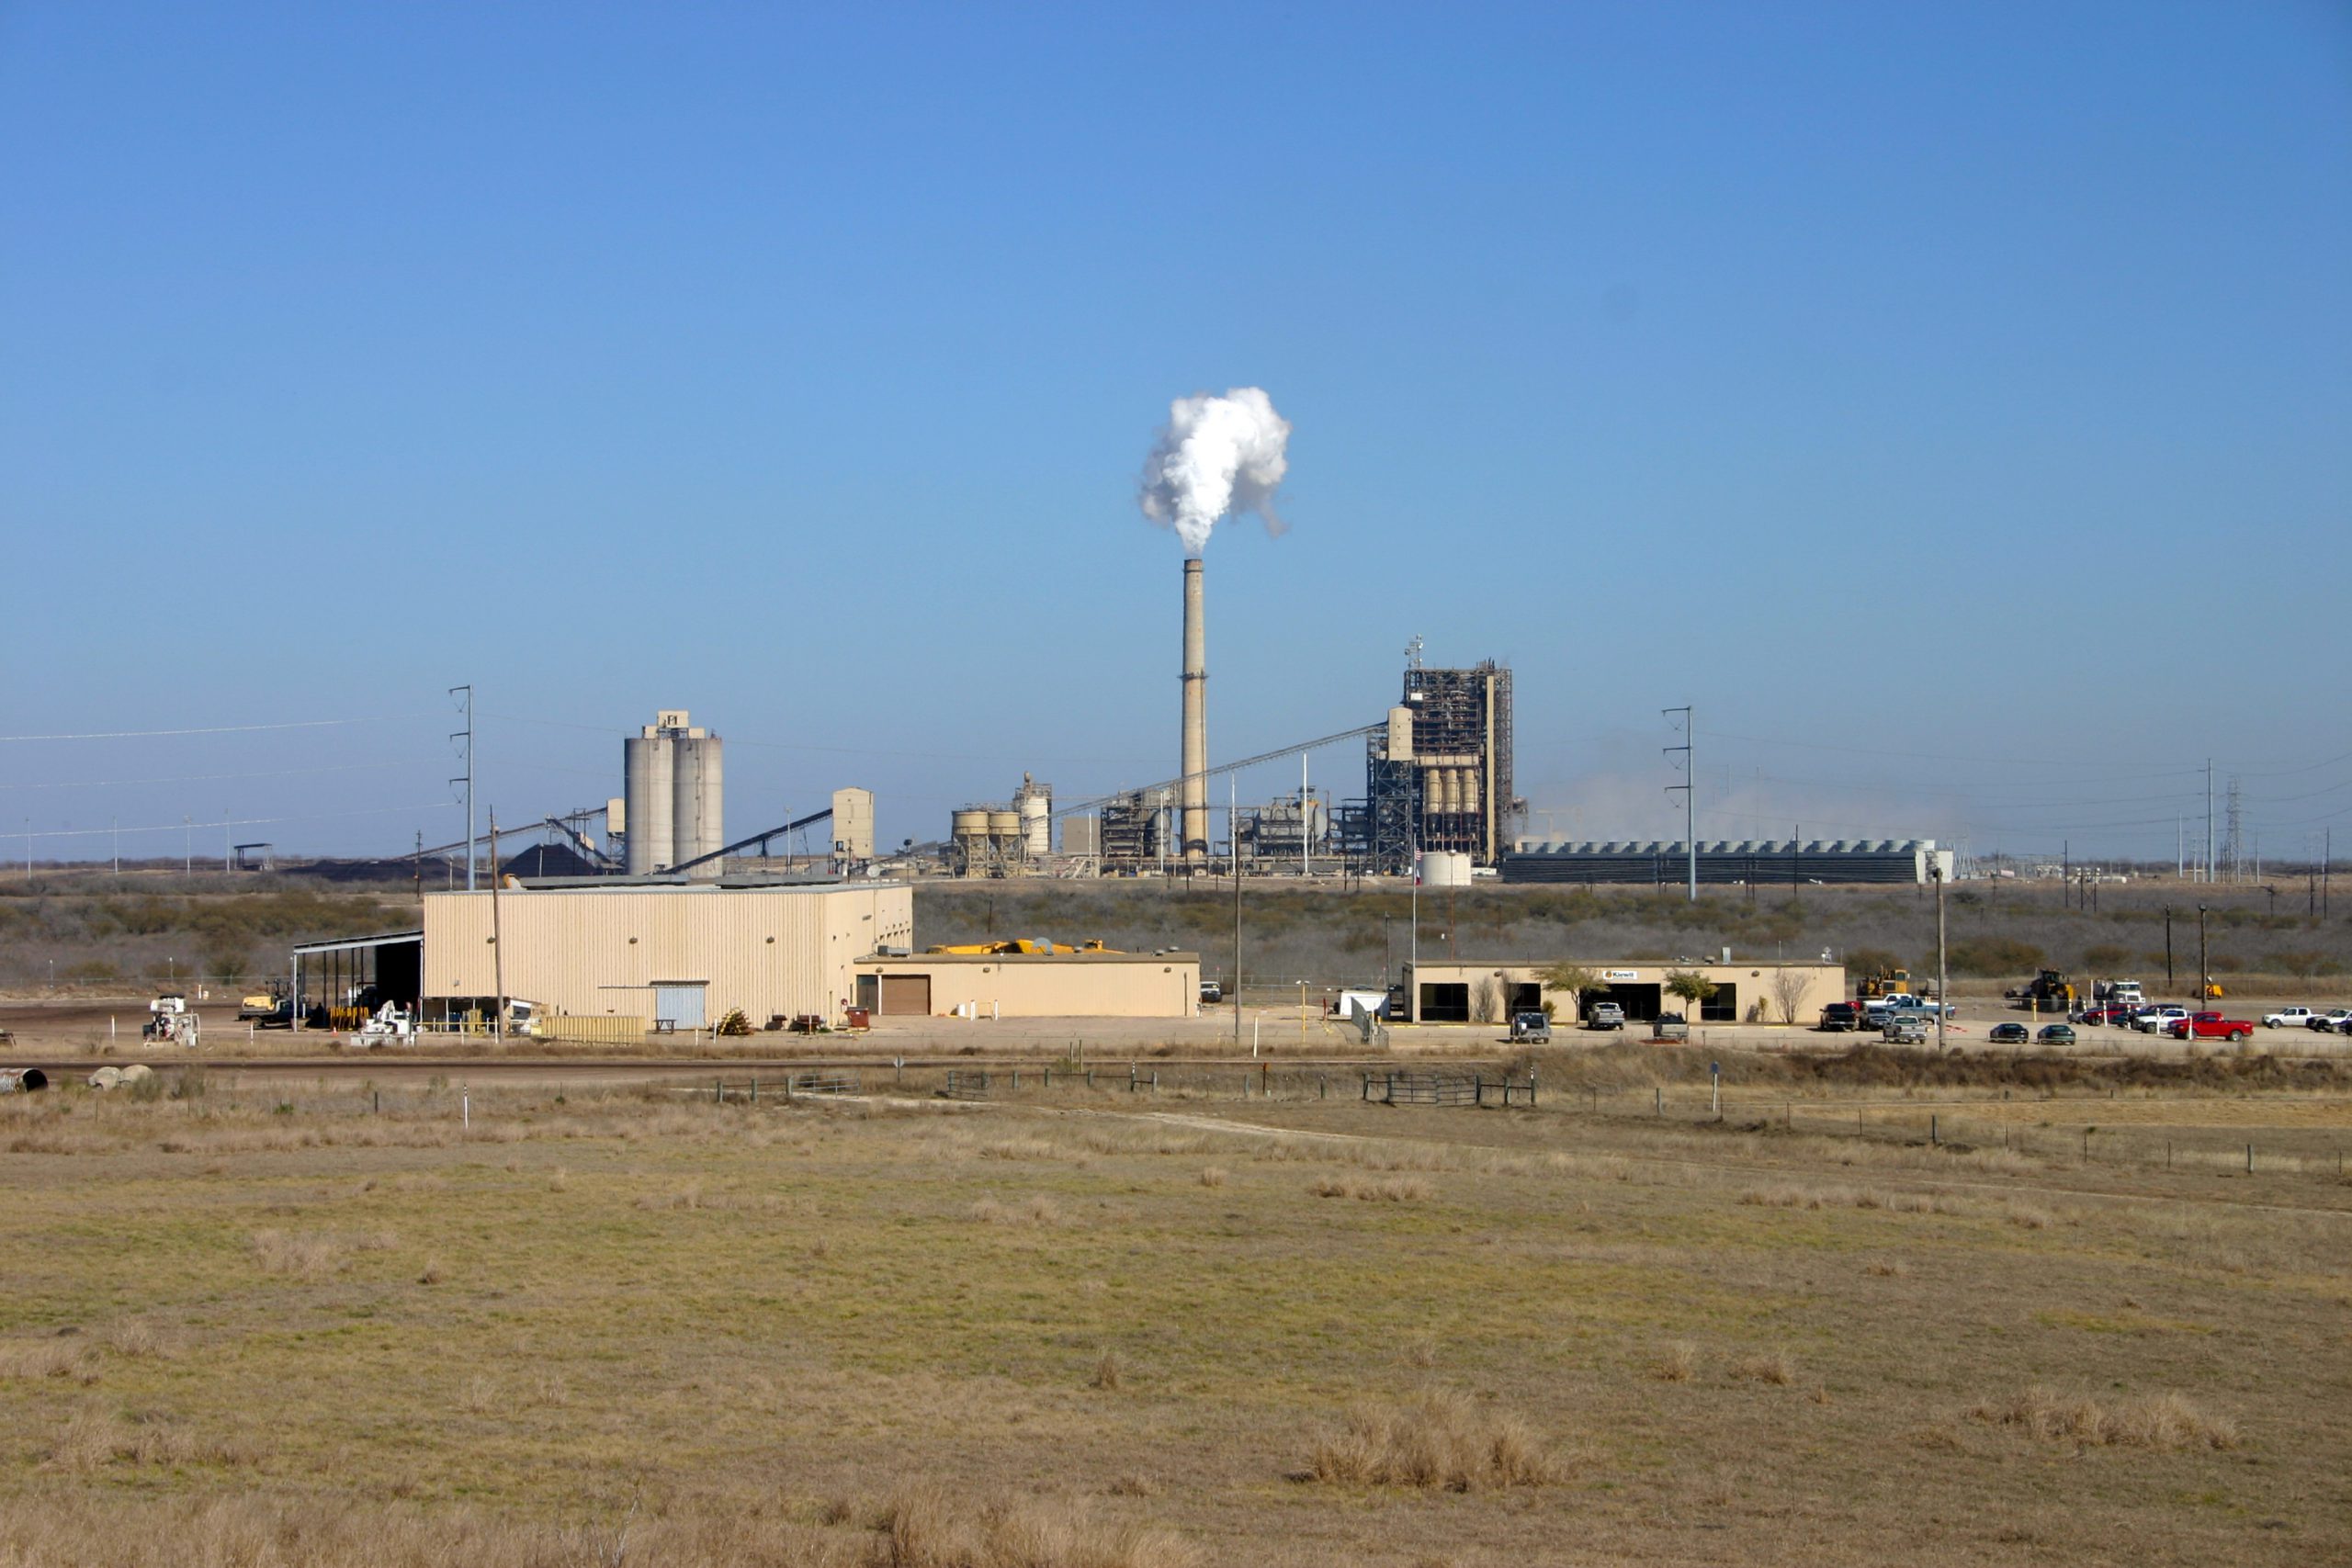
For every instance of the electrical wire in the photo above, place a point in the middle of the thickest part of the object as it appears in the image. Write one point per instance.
(211, 730)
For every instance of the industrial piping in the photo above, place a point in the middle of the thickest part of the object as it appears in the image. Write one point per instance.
(1195, 795)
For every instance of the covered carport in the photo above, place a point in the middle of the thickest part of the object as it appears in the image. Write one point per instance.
(349, 970)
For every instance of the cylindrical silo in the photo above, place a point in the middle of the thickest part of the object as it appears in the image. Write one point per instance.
(647, 772)
(1035, 802)
(1004, 831)
(1470, 792)
(697, 801)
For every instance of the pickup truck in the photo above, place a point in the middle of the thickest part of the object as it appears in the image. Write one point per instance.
(1881, 1007)
(2152, 1020)
(2208, 1026)
(2288, 1018)
(1838, 1017)
(2334, 1020)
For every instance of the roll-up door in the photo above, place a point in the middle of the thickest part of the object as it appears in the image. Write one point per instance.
(906, 995)
(678, 1004)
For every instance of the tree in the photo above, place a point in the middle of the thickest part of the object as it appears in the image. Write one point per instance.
(1691, 988)
(1788, 990)
(1487, 999)
(1575, 980)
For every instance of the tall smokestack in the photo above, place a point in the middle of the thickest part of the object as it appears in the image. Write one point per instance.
(1193, 796)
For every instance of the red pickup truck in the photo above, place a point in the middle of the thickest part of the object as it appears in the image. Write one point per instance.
(2209, 1026)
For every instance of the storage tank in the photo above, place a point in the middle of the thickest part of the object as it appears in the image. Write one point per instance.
(969, 838)
(1034, 804)
(1470, 791)
(697, 785)
(647, 777)
(1004, 827)
(1445, 868)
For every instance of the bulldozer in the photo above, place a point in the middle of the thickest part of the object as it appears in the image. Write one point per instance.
(1885, 983)
(2052, 990)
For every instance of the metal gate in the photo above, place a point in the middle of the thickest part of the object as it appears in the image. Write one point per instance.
(906, 996)
(678, 1004)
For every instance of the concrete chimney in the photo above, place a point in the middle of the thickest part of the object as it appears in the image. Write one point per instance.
(1194, 794)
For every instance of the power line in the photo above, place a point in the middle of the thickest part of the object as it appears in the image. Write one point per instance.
(211, 730)
(228, 822)
(207, 778)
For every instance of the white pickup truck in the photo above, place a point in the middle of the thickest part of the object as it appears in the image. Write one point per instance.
(2288, 1018)
(2152, 1020)
(1899, 1004)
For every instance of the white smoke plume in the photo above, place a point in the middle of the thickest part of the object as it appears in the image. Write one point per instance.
(1219, 457)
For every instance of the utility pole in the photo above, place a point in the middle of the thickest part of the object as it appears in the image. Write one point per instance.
(1689, 788)
(2168, 979)
(2208, 820)
(497, 948)
(1236, 848)
(1943, 983)
(2066, 873)
(2204, 974)
(187, 845)
(1412, 963)
(467, 735)
(2326, 857)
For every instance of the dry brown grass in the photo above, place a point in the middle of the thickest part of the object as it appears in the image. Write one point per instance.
(1038, 1210)
(1678, 1362)
(1775, 1367)
(1437, 1439)
(2169, 1421)
(1389, 1190)
(1107, 1372)
(927, 1526)
(1213, 1176)
(309, 1255)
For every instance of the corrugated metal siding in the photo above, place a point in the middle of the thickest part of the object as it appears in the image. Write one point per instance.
(592, 952)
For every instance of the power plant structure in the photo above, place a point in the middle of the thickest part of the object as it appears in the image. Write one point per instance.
(1438, 775)
(673, 809)
(1195, 750)
(1003, 838)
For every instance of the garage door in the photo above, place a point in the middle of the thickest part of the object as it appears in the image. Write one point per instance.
(678, 1004)
(906, 994)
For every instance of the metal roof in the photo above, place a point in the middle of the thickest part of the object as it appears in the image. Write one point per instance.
(341, 944)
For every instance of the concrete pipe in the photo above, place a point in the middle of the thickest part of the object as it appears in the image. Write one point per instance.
(25, 1081)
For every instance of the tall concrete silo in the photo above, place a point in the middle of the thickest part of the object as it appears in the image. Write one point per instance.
(677, 799)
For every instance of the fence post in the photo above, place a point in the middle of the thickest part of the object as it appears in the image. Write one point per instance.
(1657, 1101)
(717, 1091)
(1477, 1088)
(1530, 1085)
(787, 1088)
(1323, 1088)
(1932, 1138)
(1016, 1080)
(380, 1110)
(756, 1089)
(1049, 1077)
(2249, 1159)
(1154, 1080)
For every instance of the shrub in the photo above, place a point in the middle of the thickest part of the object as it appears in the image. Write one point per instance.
(2150, 1421)
(1436, 1440)
(1993, 955)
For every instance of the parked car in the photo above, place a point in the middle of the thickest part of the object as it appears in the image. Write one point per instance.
(2208, 1026)
(1841, 1017)
(2010, 1035)
(1533, 1027)
(2288, 1018)
(1604, 1015)
(2334, 1020)
(2152, 1020)
(1905, 1027)
(1212, 990)
(2119, 1016)
(2055, 1034)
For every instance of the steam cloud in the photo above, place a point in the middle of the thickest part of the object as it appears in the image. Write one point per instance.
(1219, 457)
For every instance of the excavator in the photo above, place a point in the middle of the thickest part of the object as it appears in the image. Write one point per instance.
(1036, 946)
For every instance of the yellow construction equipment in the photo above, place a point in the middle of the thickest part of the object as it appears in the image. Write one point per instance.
(1886, 983)
(1036, 946)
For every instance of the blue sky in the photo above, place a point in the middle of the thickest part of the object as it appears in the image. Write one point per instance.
(1949, 401)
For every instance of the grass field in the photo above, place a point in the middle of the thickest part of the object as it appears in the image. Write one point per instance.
(647, 1328)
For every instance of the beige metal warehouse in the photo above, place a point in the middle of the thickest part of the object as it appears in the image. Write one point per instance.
(1490, 993)
(1063, 984)
(675, 956)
